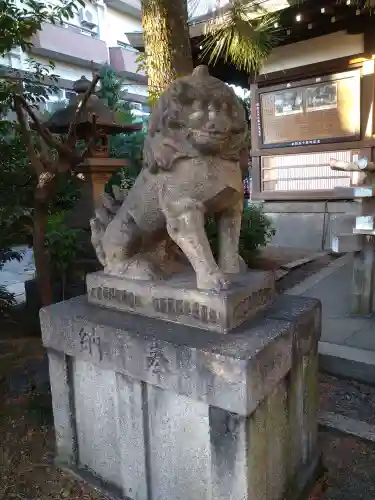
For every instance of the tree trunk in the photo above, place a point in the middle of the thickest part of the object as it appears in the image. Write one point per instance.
(167, 42)
(41, 255)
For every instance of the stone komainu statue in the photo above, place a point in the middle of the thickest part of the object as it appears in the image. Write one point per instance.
(197, 136)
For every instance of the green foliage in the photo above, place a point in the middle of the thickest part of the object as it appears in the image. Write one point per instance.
(20, 21)
(7, 299)
(10, 210)
(143, 61)
(128, 147)
(244, 36)
(110, 86)
(63, 245)
(35, 87)
(17, 185)
(256, 232)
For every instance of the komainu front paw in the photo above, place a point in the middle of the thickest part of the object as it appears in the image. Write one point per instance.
(214, 281)
(136, 268)
(234, 266)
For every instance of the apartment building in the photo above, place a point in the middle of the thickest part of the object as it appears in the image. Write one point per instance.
(95, 36)
(108, 32)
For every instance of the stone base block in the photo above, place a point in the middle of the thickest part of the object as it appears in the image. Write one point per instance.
(344, 243)
(178, 300)
(150, 409)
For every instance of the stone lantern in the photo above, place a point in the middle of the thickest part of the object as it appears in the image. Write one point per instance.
(98, 167)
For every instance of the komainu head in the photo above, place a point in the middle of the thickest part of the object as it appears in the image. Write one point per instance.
(197, 115)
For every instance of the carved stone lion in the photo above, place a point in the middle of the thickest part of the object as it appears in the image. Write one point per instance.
(196, 138)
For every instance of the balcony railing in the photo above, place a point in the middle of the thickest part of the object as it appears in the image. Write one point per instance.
(124, 61)
(71, 44)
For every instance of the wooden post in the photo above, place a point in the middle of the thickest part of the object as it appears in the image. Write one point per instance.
(363, 278)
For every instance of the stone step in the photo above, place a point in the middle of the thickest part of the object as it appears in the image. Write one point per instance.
(346, 242)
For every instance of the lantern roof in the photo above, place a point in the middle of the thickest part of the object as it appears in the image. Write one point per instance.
(105, 118)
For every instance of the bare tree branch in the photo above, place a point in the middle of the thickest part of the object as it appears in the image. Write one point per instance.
(46, 134)
(81, 106)
(65, 167)
(68, 158)
(26, 134)
(43, 132)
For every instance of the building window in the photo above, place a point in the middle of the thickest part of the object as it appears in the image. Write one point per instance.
(305, 172)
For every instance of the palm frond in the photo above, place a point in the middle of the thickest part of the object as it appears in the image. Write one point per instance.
(243, 36)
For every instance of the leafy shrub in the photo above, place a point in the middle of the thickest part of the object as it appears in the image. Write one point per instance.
(256, 232)
(63, 246)
(17, 186)
(7, 300)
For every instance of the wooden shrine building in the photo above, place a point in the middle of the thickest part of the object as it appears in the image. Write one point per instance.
(312, 101)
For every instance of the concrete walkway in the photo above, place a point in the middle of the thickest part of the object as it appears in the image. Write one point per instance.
(347, 346)
(14, 274)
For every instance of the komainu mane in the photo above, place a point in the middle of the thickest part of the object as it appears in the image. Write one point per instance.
(197, 135)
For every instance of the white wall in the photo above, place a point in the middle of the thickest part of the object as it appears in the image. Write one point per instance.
(116, 25)
(63, 70)
(111, 28)
(323, 48)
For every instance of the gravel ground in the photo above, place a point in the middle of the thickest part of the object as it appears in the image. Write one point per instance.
(26, 429)
(351, 467)
(347, 397)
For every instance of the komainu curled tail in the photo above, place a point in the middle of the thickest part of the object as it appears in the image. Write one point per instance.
(104, 214)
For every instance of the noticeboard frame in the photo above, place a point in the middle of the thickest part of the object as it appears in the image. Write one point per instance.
(313, 141)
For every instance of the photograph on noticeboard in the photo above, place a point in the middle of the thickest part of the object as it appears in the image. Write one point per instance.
(288, 102)
(321, 97)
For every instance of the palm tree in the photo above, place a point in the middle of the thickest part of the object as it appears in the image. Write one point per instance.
(167, 43)
(242, 34)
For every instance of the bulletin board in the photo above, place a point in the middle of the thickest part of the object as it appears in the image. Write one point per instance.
(317, 111)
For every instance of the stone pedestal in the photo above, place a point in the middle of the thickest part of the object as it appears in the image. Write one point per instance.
(177, 299)
(152, 410)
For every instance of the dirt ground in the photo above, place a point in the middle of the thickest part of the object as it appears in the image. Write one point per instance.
(27, 471)
(27, 438)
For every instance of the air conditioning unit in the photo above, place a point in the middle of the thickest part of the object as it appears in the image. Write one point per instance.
(86, 19)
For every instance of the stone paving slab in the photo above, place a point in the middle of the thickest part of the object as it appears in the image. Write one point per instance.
(347, 425)
(347, 346)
